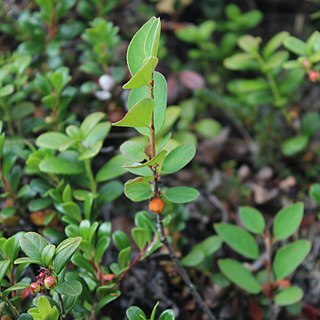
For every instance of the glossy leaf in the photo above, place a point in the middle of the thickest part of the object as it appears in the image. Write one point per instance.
(135, 313)
(64, 252)
(133, 151)
(57, 165)
(32, 244)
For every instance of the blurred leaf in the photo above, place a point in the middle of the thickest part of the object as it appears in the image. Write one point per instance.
(238, 239)
(288, 296)
(289, 257)
(239, 275)
(287, 221)
(252, 219)
(292, 146)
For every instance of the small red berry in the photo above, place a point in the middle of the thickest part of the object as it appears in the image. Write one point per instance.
(156, 205)
(34, 287)
(50, 282)
(313, 75)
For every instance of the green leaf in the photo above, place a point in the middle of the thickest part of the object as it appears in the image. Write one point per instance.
(97, 134)
(208, 128)
(201, 251)
(101, 247)
(6, 90)
(107, 299)
(139, 116)
(15, 287)
(135, 313)
(249, 43)
(57, 165)
(295, 45)
(292, 146)
(151, 44)
(178, 158)
(111, 169)
(287, 221)
(64, 252)
(252, 219)
(240, 61)
(274, 43)
(28, 260)
(124, 257)
(120, 239)
(71, 288)
(133, 151)
(90, 122)
(32, 244)
(167, 315)
(238, 239)
(138, 189)
(140, 237)
(181, 194)
(52, 140)
(288, 296)
(289, 257)
(144, 76)
(72, 210)
(241, 86)
(110, 191)
(160, 100)
(314, 192)
(157, 160)
(239, 275)
(4, 265)
(136, 48)
(154, 311)
(48, 254)
(91, 151)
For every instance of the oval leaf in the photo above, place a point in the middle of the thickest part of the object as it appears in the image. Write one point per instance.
(287, 221)
(238, 239)
(289, 257)
(181, 194)
(239, 275)
(252, 219)
(178, 158)
(288, 296)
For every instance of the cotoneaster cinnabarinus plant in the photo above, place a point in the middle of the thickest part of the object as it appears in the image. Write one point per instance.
(152, 156)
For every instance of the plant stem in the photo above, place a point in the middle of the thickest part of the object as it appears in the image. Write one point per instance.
(12, 308)
(156, 192)
(182, 272)
(63, 311)
(93, 185)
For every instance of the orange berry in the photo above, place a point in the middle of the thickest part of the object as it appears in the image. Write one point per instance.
(156, 205)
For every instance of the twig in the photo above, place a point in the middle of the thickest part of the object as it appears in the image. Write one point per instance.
(183, 274)
(164, 239)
